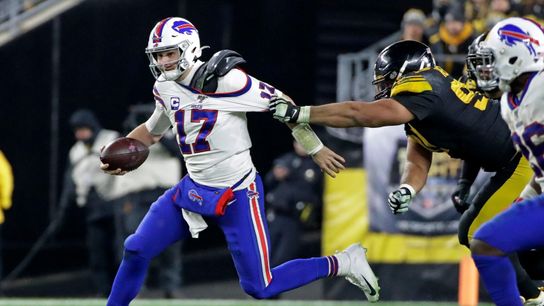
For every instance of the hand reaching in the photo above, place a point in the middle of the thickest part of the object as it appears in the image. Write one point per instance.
(329, 162)
(284, 110)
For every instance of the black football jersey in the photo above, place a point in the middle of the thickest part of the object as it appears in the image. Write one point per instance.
(452, 117)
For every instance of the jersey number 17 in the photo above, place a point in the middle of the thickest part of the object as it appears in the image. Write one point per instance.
(207, 118)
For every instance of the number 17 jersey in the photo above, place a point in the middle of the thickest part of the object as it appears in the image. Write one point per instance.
(211, 128)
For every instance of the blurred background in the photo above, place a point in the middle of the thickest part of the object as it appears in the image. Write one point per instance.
(60, 56)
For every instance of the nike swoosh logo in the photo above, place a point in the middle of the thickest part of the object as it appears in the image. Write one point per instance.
(372, 290)
(295, 111)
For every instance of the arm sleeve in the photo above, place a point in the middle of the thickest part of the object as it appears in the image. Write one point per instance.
(421, 104)
(158, 123)
(6, 182)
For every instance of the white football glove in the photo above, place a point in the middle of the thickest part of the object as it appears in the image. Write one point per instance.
(400, 199)
(287, 112)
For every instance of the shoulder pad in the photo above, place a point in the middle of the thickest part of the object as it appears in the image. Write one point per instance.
(411, 83)
(223, 62)
(205, 78)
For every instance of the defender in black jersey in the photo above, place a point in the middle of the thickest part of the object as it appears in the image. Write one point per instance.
(440, 114)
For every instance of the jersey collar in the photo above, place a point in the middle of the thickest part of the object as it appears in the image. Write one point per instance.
(514, 100)
(187, 80)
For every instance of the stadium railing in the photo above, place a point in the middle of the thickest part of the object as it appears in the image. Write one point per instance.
(20, 16)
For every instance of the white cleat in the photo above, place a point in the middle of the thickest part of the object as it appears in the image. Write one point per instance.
(359, 273)
(538, 301)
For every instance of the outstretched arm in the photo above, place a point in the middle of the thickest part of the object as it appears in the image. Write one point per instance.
(378, 113)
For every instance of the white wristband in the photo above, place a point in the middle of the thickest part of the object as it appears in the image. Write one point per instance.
(528, 192)
(304, 116)
(410, 188)
(306, 137)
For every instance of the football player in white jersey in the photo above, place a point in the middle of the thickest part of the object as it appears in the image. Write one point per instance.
(517, 47)
(205, 105)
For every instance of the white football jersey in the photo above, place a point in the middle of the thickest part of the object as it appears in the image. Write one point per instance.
(211, 128)
(524, 114)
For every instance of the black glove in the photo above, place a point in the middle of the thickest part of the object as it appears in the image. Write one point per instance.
(460, 195)
(284, 110)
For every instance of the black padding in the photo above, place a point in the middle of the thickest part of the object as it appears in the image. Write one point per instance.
(205, 78)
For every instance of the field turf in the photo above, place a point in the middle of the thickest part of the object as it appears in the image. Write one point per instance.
(142, 302)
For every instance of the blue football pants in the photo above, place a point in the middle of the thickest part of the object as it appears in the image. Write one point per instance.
(246, 231)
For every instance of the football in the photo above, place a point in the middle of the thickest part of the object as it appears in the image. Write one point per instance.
(124, 153)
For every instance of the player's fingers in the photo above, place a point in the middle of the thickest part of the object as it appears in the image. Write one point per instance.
(338, 164)
(332, 166)
(329, 172)
(339, 158)
(117, 171)
(104, 166)
(402, 210)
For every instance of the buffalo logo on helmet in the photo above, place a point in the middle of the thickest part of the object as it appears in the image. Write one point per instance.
(195, 197)
(183, 27)
(511, 35)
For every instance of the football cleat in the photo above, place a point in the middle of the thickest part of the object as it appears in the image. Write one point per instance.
(538, 301)
(359, 272)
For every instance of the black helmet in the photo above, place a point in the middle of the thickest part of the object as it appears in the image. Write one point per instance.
(398, 59)
(480, 65)
(472, 56)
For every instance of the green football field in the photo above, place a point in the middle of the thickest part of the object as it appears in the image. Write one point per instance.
(96, 302)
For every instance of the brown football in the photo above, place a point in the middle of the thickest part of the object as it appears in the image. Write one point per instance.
(124, 153)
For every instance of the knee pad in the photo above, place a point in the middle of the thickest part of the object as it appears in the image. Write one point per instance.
(134, 245)
(254, 291)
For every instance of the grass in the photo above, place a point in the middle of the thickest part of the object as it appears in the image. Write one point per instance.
(142, 302)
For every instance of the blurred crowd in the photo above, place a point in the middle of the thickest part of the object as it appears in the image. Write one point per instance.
(454, 24)
(114, 206)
